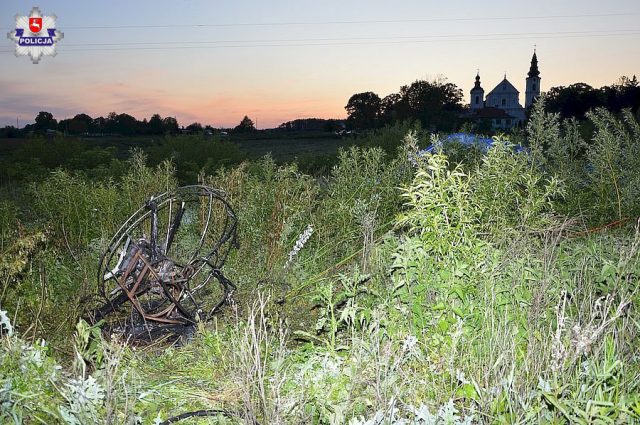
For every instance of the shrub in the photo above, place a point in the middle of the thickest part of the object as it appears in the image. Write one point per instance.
(514, 198)
(613, 160)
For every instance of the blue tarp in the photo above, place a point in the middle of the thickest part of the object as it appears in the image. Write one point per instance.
(466, 139)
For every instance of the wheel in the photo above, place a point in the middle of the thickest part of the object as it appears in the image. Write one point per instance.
(164, 263)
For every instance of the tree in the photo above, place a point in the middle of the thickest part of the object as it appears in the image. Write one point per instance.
(110, 123)
(196, 127)
(574, 101)
(625, 93)
(143, 126)
(363, 110)
(436, 104)
(84, 118)
(390, 107)
(245, 126)
(45, 121)
(72, 126)
(170, 125)
(625, 81)
(154, 126)
(99, 125)
(126, 124)
(79, 124)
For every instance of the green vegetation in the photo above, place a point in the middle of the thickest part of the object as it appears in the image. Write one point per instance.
(23, 160)
(446, 288)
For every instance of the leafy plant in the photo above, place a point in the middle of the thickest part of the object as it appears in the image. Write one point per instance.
(514, 198)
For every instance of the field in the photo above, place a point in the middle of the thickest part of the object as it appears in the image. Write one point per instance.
(289, 149)
(315, 152)
(463, 286)
(282, 146)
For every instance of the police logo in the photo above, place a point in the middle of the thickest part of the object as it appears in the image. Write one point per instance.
(35, 35)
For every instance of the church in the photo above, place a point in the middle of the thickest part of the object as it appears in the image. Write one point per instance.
(502, 106)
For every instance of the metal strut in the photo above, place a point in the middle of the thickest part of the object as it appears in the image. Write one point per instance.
(147, 282)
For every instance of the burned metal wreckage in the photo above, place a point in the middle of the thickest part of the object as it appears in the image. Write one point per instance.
(161, 273)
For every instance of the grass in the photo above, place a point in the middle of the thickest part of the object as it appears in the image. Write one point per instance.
(428, 292)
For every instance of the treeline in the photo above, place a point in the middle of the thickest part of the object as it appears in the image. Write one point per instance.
(575, 100)
(312, 124)
(439, 105)
(115, 124)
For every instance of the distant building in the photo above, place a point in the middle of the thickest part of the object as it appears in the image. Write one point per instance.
(533, 82)
(502, 106)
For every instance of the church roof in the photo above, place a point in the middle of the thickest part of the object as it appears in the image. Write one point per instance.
(504, 87)
(533, 70)
(477, 86)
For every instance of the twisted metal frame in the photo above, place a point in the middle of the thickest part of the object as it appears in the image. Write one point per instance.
(161, 289)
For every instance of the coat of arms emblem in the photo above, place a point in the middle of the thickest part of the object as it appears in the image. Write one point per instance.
(35, 35)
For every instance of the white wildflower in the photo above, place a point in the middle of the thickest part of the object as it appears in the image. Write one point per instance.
(84, 396)
(409, 343)
(423, 415)
(544, 385)
(558, 350)
(302, 240)
(158, 419)
(5, 324)
(461, 378)
(377, 419)
(448, 413)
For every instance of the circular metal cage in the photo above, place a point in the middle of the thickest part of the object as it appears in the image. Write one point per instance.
(166, 259)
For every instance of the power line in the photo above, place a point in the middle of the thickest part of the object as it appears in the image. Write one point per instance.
(356, 22)
(347, 43)
(382, 38)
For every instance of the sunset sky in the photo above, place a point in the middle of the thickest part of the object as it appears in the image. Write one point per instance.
(216, 61)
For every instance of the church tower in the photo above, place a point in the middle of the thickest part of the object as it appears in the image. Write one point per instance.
(533, 82)
(477, 95)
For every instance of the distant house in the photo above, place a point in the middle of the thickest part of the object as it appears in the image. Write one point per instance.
(502, 106)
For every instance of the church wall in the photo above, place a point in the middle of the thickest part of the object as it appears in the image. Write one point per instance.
(472, 100)
(511, 100)
(532, 91)
(505, 96)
